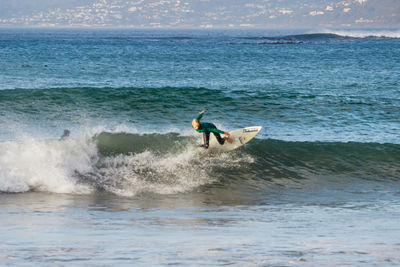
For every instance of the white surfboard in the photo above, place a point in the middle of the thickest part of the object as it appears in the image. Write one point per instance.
(239, 137)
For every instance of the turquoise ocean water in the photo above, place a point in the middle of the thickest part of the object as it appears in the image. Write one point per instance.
(318, 186)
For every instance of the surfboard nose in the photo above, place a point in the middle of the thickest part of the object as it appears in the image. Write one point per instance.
(239, 137)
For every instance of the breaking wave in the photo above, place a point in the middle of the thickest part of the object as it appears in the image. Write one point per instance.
(323, 36)
(132, 164)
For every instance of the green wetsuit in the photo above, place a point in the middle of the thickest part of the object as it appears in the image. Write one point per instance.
(207, 127)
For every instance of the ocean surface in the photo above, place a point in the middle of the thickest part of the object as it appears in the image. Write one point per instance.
(319, 186)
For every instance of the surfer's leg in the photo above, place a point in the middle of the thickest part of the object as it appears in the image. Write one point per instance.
(206, 138)
(220, 140)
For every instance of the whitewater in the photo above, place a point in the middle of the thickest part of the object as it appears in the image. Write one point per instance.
(131, 186)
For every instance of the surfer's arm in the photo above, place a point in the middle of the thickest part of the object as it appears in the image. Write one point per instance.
(200, 114)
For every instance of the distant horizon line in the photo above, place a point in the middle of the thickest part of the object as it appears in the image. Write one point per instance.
(84, 27)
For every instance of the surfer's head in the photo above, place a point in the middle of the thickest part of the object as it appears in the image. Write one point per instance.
(195, 124)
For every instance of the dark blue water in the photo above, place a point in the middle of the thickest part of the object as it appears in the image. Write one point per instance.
(318, 186)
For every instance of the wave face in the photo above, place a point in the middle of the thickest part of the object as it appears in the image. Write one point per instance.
(131, 164)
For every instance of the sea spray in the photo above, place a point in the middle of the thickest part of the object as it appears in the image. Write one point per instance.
(130, 175)
(131, 164)
(45, 165)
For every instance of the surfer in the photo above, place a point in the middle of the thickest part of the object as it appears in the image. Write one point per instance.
(206, 128)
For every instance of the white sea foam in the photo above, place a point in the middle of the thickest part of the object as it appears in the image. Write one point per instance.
(129, 175)
(44, 165)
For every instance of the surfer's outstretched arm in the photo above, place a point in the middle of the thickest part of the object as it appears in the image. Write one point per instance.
(200, 114)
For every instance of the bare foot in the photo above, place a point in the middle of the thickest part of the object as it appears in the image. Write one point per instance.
(229, 140)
